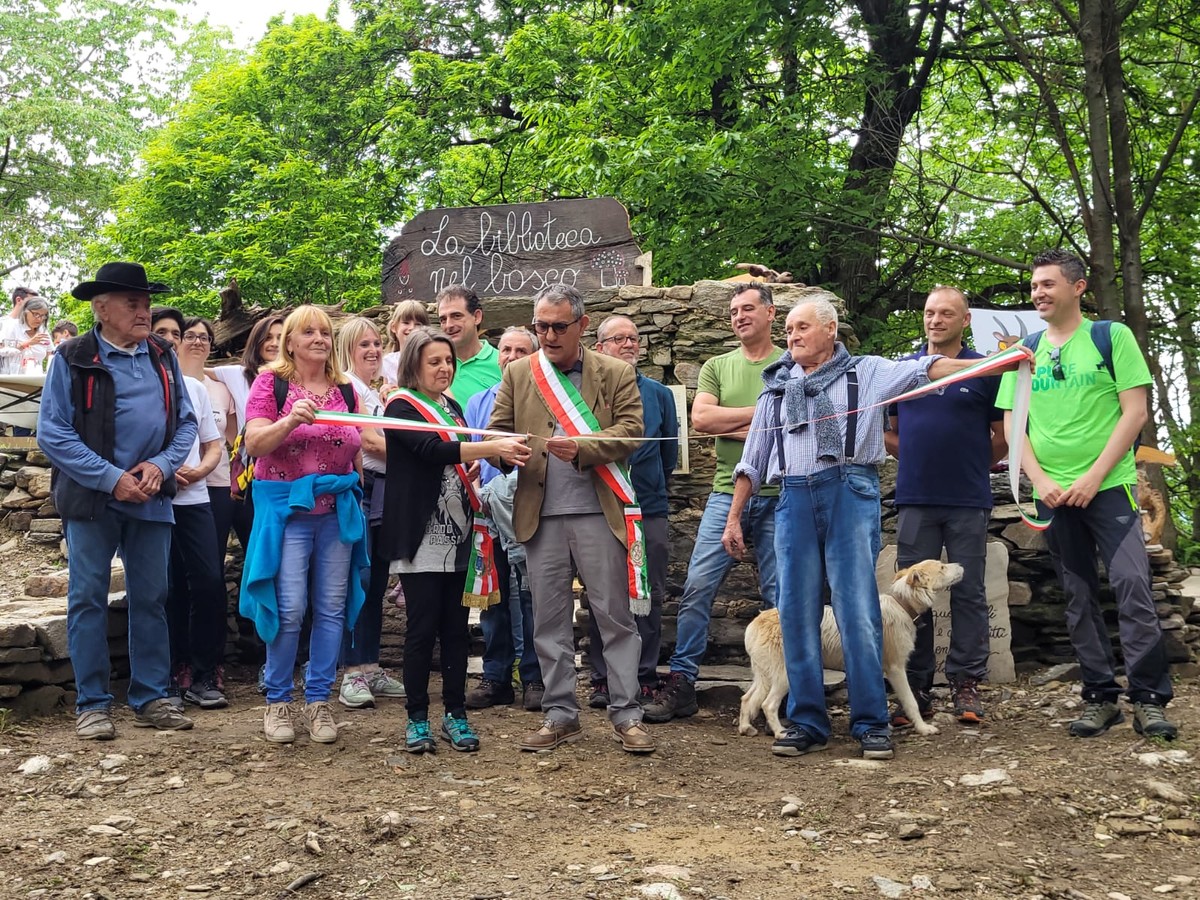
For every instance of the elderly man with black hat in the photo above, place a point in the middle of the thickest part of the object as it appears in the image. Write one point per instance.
(116, 423)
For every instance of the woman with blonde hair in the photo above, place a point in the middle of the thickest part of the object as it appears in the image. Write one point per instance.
(406, 316)
(360, 352)
(308, 520)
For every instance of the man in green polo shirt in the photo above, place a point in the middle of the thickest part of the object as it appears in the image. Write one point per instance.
(460, 312)
(1084, 414)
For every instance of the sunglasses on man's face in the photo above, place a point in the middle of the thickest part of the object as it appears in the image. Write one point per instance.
(559, 328)
(1056, 370)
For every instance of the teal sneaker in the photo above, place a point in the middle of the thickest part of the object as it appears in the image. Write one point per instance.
(1097, 718)
(458, 732)
(418, 738)
(1151, 720)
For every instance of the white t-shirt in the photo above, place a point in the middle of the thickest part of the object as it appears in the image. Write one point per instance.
(369, 404)
(222, 407)
(234, 378)
(197, 492)
(17, 330)
(390, 368)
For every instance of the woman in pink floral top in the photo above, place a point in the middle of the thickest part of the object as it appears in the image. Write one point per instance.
(320, 463)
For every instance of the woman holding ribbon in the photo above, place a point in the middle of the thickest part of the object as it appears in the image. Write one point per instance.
(442, 540)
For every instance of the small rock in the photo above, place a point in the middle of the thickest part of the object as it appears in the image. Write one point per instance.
(113, 761)
(198, 888)
(1183, 880)
(311, 844)
(1164, 757)
(1182, 826)
(790, 810)
(280, 868)
(675, 873)
(660, 890)
(1129, 827)
(890, 888)
(122, 822)
(809, 835)
(987, 776)
(35, 765)
(949, 883)
(58, 856)
(104, 830)
(1117, 895)
(922, 882)
(598, 870)
(175, 782)
(910, 831)
(1164, 791)
(1163, 888)
(97, 860)
(853, 763)
(218, 777)
(1061, 672)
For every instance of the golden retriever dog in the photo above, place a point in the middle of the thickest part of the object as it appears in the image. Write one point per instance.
(911, 595)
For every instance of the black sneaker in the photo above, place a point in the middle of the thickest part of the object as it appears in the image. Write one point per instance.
(206, 695)
(490, 693)
(1151, 720)
(599, 698)
(676, 699)
(877, 745)
(795, 741)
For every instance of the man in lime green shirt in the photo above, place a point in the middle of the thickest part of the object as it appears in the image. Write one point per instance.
(1079, 456)
(460, 312)
(728, 388)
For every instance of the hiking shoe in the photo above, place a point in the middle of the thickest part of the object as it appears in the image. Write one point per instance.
(1097, 718)
(531, 696)
(924, 707)
(795, 741)
(206, 695)
(634, 737)
(676, 699)
(645, 695)
(1151, 720)
(162, 715)
(968, 708)
(175, 694)
(417, 737)
(319, 718)
(356, 692)
(95, 725)
(277, 723)
(551, 734)
(490, 693)
(600, 698)
(457, 731)
(384, 686)
(260, 683)
(877, 745)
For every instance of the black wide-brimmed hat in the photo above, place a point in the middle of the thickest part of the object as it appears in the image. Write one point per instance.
(118, 276)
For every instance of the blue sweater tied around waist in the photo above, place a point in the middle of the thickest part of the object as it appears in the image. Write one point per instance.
(274, 503)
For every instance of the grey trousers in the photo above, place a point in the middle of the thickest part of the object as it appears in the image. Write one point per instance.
(658, 552)
(921, 533)
(1110, 524)
(600, 559)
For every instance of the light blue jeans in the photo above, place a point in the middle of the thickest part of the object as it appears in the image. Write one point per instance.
(827, 527)
(310, 542)
(145, 549)
(710, 565)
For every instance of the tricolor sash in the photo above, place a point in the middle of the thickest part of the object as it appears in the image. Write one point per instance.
(482, 587)
(576, 419)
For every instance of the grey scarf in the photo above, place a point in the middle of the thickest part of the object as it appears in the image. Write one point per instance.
(816, 385)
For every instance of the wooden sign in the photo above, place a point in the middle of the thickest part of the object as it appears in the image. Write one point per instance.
(513, 250)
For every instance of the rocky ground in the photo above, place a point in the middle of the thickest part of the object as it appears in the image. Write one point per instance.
(1012, 809)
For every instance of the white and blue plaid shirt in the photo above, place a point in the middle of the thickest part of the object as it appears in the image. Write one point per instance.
(879, 380)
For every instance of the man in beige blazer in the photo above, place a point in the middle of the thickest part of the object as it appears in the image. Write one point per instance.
(569, 520)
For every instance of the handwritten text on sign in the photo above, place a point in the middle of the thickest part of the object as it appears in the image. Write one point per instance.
(512, 250)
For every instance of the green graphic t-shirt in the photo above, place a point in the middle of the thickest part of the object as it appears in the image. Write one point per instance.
(1071, 420)
(734, 381)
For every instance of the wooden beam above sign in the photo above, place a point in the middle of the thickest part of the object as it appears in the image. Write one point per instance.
(513, 250)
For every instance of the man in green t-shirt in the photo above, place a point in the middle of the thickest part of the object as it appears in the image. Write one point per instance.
(728, 388)
(1079, 456)
(460, 313)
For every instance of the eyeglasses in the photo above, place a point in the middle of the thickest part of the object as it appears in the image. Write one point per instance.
(196, 339)
(622, 339)
(556, 327)
(1057, 370)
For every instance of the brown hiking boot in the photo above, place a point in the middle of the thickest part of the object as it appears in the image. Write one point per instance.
(489, 693)
(634, 737)
(676, 700)
(551, 734)
(968, 708)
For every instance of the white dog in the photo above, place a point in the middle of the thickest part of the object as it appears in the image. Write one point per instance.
(912, 594)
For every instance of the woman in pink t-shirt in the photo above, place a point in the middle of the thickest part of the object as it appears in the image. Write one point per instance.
(288, 447)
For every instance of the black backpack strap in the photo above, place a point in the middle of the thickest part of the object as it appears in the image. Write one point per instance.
(1031, 341)
(281, 389)
(349, 396)
(1102, 341)
(851, 414)
(779, 432)
(347, 389)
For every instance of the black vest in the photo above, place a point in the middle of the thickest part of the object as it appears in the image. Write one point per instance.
(95, 401)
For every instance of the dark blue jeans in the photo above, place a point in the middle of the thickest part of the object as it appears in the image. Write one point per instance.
(145, 548)
(499, 649)
(827, 528)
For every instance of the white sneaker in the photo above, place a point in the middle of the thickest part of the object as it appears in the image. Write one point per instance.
(384, 685)
(277, 723)
(355, 692)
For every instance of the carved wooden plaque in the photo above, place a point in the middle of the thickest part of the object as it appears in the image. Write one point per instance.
(513, 250)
